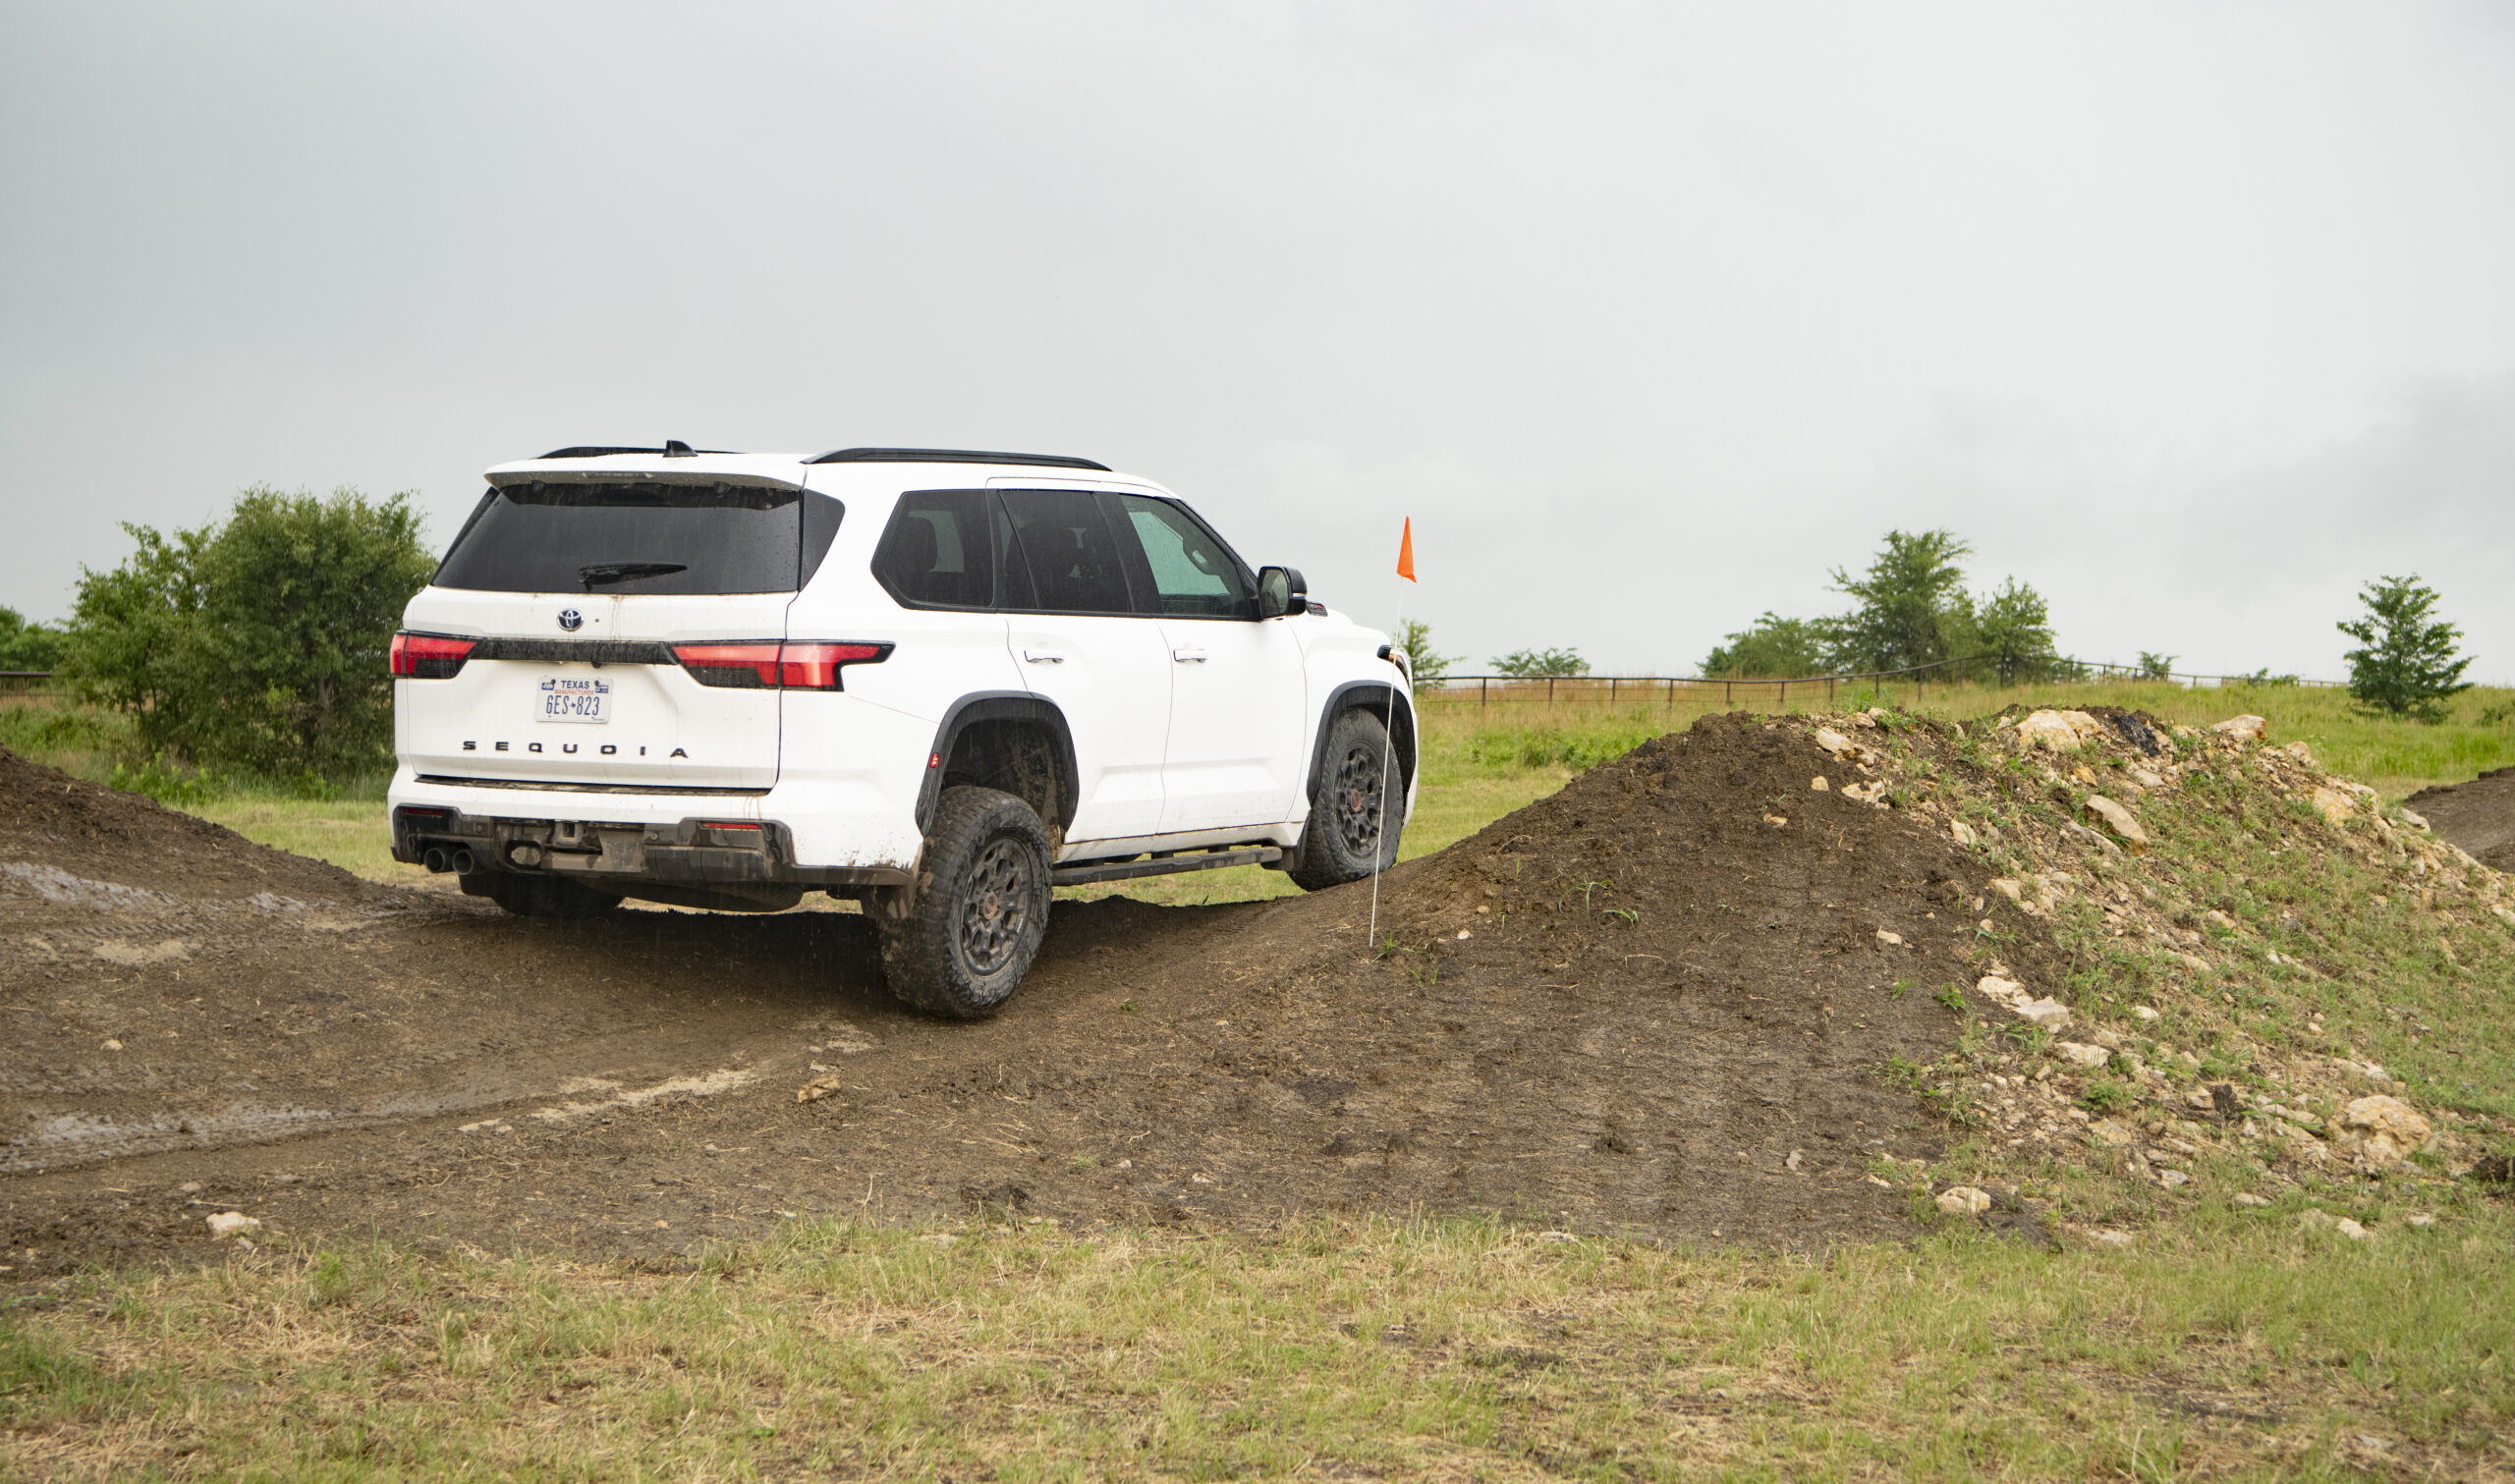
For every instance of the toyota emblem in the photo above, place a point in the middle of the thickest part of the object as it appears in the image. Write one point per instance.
(571, 619)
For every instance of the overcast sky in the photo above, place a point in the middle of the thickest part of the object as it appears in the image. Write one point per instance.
(2193, 315)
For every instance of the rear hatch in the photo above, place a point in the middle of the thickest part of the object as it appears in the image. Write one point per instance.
(616, 620)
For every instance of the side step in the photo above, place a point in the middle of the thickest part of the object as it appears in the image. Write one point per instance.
(1164, 865)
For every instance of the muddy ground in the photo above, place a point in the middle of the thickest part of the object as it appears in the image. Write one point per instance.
(1640, 1004)
(2478, 816)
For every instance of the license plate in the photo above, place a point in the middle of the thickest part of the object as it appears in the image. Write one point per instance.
(565, 698)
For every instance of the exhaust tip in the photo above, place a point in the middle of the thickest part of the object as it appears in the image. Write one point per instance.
(463, 863)
(435, 861)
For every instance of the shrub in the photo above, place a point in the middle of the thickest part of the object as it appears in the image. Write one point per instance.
(256, 645)
(1538, 664)
(1772, 647)
(1428, 665)
(25, 645)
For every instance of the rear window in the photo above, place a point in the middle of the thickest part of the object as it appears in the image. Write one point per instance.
(678, 539)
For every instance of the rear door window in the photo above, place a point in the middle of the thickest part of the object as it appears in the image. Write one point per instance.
(1193, 574)
(1068, 551)
(665, 539)
(938, 551)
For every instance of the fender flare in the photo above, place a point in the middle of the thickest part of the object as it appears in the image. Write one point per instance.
(1386, 702)
(993, 706)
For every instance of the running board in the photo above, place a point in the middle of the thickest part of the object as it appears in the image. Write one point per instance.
(1164, 865)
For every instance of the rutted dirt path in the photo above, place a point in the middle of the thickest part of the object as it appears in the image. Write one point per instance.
(1640, 1003)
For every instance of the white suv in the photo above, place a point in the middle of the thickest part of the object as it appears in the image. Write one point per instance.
(936, 682)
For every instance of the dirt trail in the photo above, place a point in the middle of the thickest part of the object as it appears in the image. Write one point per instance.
(1640, 1003)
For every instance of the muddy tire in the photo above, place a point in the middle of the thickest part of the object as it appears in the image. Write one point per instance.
(539, 896)
(1346, 837)
(959, 944)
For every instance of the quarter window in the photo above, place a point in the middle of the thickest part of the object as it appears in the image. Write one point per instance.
(936, 553)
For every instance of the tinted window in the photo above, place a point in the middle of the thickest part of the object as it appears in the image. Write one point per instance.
(1193, 575)
(1066, 551)
(676, 539)
(938, 552)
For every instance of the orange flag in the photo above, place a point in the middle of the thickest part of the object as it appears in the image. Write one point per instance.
(1406, 551)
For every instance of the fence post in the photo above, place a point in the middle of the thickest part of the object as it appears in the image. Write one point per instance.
(1484, 690)
(1784, 705)
(1549, 692)
(1612, 682)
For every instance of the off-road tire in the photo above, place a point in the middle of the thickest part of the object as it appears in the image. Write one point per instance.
(1346, 837)
(539, 896)
(958, 945)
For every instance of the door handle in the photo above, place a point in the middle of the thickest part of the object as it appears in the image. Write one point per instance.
(1189, 655)
(1045, 656)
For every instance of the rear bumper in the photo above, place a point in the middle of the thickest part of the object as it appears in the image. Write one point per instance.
(617, 838)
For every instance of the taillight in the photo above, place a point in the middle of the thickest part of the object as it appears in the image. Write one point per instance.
(817, 667)
(741, 667)
(770, 666)
(428, 656)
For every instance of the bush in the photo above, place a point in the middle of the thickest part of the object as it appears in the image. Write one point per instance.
(26, 647)
(1538, 664)
(1772, 647)
(1424, 663)
(256, 645)
(2407, 666)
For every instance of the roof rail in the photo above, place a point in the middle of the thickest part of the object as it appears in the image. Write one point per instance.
(675, 448)
(950, 456)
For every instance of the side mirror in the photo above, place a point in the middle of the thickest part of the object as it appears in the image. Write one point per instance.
(1281, 590)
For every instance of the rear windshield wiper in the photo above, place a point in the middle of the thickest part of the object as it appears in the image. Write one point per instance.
(623, 572)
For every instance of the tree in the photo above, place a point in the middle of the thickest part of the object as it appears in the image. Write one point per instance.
(2013, 627)
(257, 643)
(2154, 666)
(1912, 606)
(2406, 665)
(1427, 666)
(1540, 664)
(1771, 648)
(25, 645)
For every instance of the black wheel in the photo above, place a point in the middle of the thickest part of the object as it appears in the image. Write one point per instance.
(963, 937)
(1357, 807)
(539, 896)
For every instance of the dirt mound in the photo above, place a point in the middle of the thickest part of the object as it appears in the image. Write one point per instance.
(1659, 998)
(51, 820)
(2478, 816)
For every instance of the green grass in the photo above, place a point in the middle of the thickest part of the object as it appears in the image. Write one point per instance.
(1401, 1349)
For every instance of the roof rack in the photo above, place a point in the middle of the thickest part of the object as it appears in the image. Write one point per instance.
(672, 449)
(950, 456)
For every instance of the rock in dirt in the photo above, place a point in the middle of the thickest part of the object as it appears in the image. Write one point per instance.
(1834, 742)
(2332, 804)
(2118, 819)
(1964, 1201)
(2248, 1198)
(2381, 1130)
(2080, 1054)
(232, 1223)
(2106, 1237)
(2049, 1015)
(2324, 1221)
(2058, 731)
(2247, 728)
